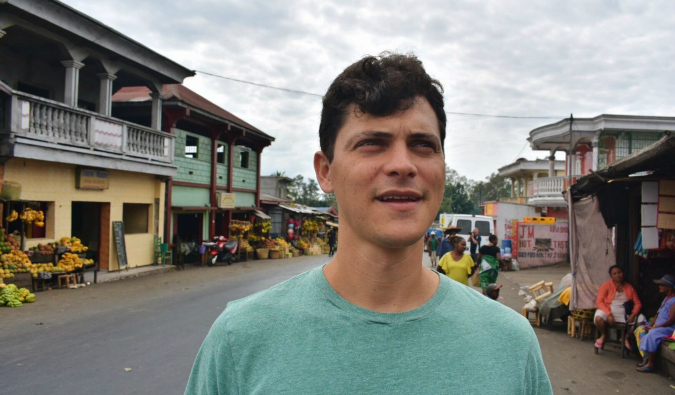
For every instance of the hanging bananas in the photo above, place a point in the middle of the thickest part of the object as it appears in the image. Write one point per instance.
(13, 216)
(30, 216)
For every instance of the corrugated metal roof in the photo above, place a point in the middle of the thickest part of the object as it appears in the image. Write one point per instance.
(182, 93)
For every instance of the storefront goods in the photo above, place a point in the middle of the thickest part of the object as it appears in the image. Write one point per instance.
(74, 243)
(31, 216)
(70, 262)
(12, 296)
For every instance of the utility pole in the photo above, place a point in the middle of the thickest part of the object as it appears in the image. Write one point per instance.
(570, 155)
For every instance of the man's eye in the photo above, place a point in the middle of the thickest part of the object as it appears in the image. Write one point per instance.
(425, 144)
(369, 143)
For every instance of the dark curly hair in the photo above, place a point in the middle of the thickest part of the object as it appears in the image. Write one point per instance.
(379, 86)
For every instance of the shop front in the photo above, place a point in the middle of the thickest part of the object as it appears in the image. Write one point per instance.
(83, 203)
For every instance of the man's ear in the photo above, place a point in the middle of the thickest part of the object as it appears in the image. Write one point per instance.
(322, 169)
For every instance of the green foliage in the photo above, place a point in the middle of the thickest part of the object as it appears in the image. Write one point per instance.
(307, 192)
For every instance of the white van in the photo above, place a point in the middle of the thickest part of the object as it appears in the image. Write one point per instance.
(467, 223)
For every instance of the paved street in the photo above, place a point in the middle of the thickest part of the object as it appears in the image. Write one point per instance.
(81, 341)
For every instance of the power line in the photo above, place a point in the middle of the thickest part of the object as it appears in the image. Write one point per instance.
(261, 85)
(300, 92)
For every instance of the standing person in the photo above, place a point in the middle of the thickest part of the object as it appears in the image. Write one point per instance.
(650, 335)
(492, 291)
(432, 244)
(457, 265)
(331, 242)
(362, 323)
(445, 246)
(489, 258)
(474, 239)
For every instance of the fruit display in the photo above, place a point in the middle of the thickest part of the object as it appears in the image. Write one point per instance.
(282, 243)
(267, 243)
(12, 296)
(15, 262)
(45, 249)
(31, 216)
(11, 243)
(74, 243)
(13, 216)
(239, 227)
(70, 262)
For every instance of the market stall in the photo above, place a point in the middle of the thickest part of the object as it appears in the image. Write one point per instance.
(42, 265)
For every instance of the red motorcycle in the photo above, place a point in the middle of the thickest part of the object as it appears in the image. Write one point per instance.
(221, 251)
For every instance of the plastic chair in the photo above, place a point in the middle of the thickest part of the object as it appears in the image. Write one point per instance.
(166, 255)
(623, 329)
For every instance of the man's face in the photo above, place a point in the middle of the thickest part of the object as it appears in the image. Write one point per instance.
(387, 173)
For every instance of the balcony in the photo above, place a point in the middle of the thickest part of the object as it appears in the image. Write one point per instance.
(44, 129)
(547, 191)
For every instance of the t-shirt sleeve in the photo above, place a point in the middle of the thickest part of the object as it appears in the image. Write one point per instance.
(443, 263)
(469, 263)
(536, 377)
(213, 372)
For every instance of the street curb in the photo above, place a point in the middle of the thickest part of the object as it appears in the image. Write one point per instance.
(123, 274)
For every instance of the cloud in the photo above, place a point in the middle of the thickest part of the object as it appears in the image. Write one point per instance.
(536, 58)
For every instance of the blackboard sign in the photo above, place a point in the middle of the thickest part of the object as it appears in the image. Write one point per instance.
(118, 229)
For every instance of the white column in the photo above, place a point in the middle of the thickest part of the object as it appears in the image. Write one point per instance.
(72, 81)
(517, 187)
(596, 150)
(156, 120)
(551, 164)
(105, 93)
(513, 188)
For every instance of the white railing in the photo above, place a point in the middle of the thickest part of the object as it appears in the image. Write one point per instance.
(53, 122)
(548, 186)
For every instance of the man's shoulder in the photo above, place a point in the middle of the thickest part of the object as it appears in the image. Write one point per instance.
(273, 306)
(477, 309)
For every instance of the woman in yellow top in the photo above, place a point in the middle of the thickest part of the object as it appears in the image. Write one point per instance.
(457, 265)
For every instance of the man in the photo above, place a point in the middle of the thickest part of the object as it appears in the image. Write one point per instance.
(374, 319)
(331, 241)
(445, 246)
(474, 239)
(431, 247)
(492, 291)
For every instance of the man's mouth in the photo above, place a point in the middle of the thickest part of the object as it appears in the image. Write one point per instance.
(397, 199)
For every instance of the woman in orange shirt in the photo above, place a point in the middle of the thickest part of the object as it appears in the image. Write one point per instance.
(611, 297)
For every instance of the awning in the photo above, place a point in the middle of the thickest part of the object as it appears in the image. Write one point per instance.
(262, 215)
(333, 224)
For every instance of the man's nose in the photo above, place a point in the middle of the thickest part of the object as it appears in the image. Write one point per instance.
(400, 161)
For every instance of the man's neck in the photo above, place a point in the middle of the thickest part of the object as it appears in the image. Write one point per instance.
(379, 278)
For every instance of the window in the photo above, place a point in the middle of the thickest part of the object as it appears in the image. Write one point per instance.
(244, 159)
(135, 217)
(483, 228)
(191, 147)
(464, 226)
(32, 230)
(220, 153)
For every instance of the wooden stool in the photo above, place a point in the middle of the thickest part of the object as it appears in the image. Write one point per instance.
(68, 279)
(571, 326)
(537, 316)
(585, 320)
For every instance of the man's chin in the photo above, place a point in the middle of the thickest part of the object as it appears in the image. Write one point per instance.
(398, 240)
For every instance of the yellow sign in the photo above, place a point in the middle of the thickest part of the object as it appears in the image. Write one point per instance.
(226, 200)
(92, 179)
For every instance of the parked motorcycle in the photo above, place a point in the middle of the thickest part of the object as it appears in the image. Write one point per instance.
(221, 251)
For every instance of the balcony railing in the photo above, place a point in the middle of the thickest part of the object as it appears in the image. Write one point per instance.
(53, 122)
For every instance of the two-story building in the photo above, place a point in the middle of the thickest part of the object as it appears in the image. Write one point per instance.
(75, 160)
(218, 159)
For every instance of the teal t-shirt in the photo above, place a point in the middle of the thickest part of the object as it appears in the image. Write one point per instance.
(301, 337)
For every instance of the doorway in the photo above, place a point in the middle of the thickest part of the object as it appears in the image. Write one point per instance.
(86, 226)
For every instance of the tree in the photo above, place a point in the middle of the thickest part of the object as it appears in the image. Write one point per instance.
(493, 188)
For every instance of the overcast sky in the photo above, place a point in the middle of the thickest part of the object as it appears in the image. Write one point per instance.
(520, 58)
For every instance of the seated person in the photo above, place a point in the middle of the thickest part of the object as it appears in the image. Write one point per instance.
(649, 336)
(492, 291)
(611, 297)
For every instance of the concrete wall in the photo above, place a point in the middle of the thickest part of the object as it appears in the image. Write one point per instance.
(509, 211)
(55, 182)
(221, 179)
(182, 196)
(244, 199)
